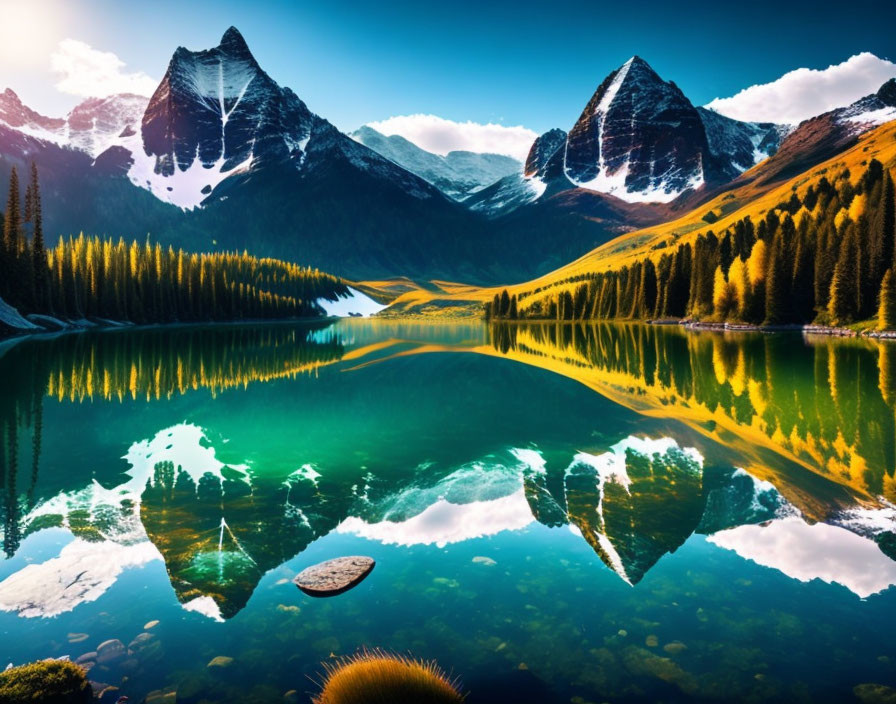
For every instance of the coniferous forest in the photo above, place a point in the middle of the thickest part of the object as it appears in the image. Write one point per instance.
(826, 256)
(84, 277)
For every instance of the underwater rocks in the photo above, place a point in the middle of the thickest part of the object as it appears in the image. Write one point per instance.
(334, 576)
(220, 662)
(110, 651)
(875, 694)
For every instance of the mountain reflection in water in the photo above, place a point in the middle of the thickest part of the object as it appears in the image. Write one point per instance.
(805, 487)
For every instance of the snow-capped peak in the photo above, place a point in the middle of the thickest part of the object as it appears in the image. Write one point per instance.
(639, 138)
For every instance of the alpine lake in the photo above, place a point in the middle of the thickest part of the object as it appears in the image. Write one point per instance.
(558, 513)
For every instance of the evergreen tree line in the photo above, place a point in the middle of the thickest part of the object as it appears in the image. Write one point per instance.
(92, 277)
(827, 256)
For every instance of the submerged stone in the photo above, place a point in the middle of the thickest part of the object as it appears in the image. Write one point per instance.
(110, 651)
(221, 661)
(870, 693)
(334, 576)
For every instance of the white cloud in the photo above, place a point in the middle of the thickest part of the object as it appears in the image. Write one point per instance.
(819, 551)
(804, 93)
(85, 71)
(440, 136)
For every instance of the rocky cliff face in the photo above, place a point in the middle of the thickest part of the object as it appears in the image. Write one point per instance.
(736, 146)
(217, 107)
(639, 138)
(543, 148)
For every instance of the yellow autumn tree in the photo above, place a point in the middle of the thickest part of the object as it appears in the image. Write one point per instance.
(739, 285)
(857, 207)
(723, 298)
(757, 263)
(886, 313)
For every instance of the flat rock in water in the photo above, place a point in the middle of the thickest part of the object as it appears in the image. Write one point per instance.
(334, 576)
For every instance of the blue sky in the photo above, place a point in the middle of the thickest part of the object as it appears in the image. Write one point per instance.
(534, 64)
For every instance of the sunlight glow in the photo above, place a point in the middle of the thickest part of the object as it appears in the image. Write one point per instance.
(29, 32)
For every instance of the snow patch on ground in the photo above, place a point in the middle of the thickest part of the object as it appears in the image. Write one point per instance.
(356, 304)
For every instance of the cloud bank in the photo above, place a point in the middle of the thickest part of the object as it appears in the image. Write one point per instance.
(91, 73)
(440, 136)
(804, 93)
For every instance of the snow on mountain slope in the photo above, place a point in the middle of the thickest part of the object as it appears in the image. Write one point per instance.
(738, 146)
(870, 111)
(98, 123)
(458, 174)
(216, 114)
(92, 126)
(523, 187)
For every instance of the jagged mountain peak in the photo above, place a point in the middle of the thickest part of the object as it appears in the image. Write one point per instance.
(543, 148)
(215, 112)
(232, 41)
(16, 114)
(232, 46)
(638, 138)
(887, 92)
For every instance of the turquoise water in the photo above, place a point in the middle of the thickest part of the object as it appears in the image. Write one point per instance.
(558, 514)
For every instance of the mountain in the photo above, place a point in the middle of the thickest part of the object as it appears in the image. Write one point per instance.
(224, 157)
(823, 136)
(737, 146)
(91, 127)
(457, 174)
(543, 148)
(639, 140)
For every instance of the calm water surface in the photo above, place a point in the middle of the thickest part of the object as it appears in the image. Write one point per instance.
(562, 513)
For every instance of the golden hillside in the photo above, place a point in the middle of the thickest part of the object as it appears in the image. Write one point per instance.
(753, 194)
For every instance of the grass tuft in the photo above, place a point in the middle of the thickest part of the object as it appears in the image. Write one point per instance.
(376, 677)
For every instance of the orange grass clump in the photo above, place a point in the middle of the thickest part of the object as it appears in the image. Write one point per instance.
(381, 678)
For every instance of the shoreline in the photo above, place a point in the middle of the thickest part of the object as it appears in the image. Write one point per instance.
(804, 328)
(18, 334)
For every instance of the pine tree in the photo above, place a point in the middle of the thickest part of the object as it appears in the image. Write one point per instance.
(775, 305)
(886, 313)
(14, 290)
(38, 250)
(884, 223)
(504, 307)
(843, 303)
